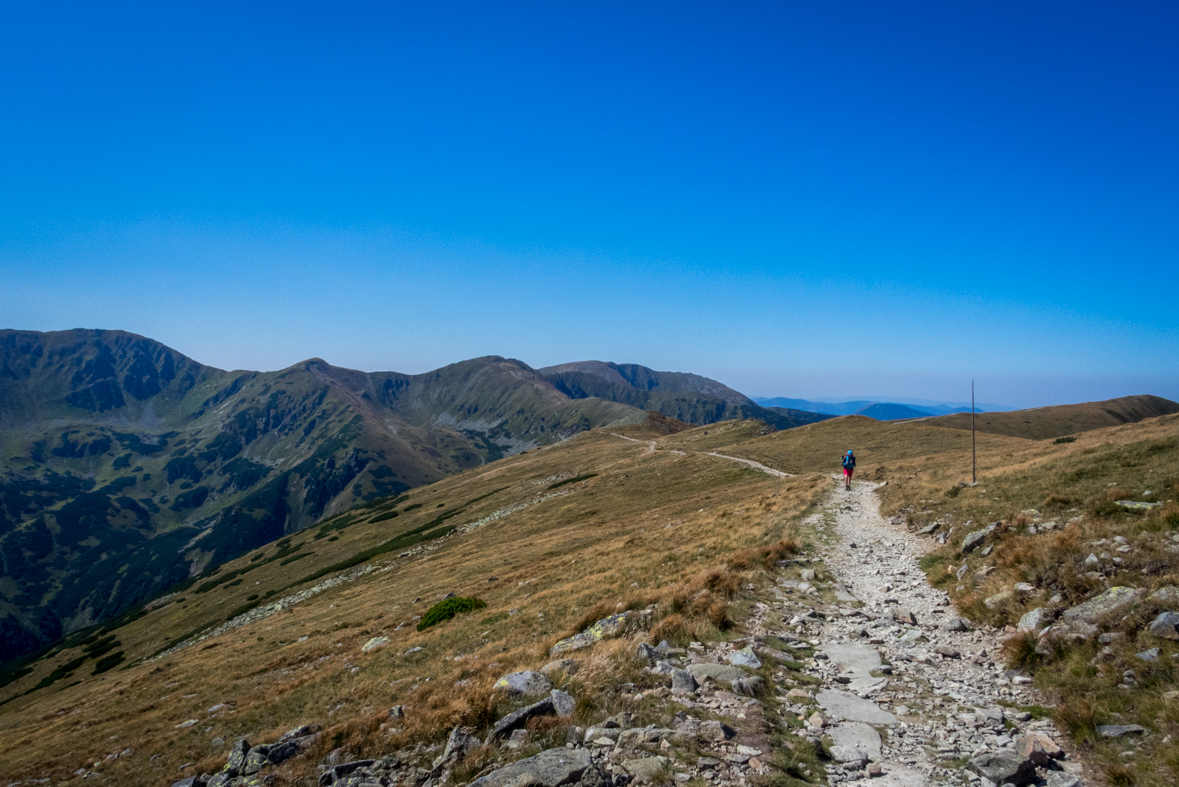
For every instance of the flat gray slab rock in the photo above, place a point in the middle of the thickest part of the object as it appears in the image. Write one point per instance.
(849, 707)
(550, 768)
(720, 672)
(855, 737)
(857, 663)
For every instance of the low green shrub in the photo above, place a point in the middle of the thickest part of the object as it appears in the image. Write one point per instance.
(447, 609)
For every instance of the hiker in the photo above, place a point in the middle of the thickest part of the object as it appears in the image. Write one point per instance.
(849, 466)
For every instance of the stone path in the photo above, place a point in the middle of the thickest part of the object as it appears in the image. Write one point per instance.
(894, 659)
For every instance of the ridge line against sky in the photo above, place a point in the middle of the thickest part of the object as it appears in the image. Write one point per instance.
(797, 201)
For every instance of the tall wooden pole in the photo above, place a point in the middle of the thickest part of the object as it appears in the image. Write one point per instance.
(973, 458)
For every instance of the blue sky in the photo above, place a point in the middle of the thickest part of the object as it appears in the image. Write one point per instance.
(798, 199)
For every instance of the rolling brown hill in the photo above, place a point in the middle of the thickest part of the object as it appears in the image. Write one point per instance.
(1044, 423)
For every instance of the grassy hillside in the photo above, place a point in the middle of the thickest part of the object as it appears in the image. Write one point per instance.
(1050, 422)
(557, 537)
(126, 467)
(548, 539)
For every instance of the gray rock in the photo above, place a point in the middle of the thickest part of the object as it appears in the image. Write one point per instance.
(563, 703)
(650, 736)
(1165, 626)
(973, 541)
(298, 732)
(903, 615)
(720, 672)
(374, 643)
(1039, 748)
(1004, 768)
(238, 753)
(1148, 656)
(458, 743)
(1119, 730)
(527, 683)
(550, 768)
(1112, 600)
(1135, 506)
(397, 712)
(339, 774)
(854, 741)
(682, 682)
(646, 769)
(646, 652)
(520, 717)
(849, 707)
(751, 687)
(715, 732)
(1165, 595)
(1061, 779)
(744, 658)
(1033, 620)
(191, 781)
(606, 628)
(997, 600)
(958, 625)
(566, 666)
(948, 652)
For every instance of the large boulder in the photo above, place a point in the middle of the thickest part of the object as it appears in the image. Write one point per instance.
(517, 719)
(527, 683)
(1033, 620)
(1004, 768)
(1166, 595)
(744, 658)
(550, 768)
(1166, 626)
(606, 628)
(718, 672)
(239, 752)
(458, 743)
(975, 540)
(1112, 600)
(854, 742)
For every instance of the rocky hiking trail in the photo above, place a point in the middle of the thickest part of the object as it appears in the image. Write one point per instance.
(851, 668)
(909, 692)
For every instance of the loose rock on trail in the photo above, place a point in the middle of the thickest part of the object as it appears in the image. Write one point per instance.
(894, 658)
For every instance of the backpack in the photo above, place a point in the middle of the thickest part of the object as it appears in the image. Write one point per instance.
(849, 460)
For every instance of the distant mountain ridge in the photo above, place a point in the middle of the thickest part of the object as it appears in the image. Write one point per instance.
(125, 466)
(687, 397)
(881, 411)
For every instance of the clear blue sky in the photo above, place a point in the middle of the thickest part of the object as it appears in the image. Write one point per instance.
(799, 199)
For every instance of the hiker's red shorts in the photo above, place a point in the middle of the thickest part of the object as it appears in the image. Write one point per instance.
(847, 471)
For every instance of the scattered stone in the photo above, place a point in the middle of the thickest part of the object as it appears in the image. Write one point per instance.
(566, 666)
(974, 540)
(1119, 730)
(563, 703)
(1148, 656)
(715, 732)
(744, 658)
(606, 628)
(1165, 595)
(1112, 600)
(1135, 506)
(374, 643)
(1033, 620)
(718, 672)
(682, 682)
(997, 600)
(1004, 768)
(458, 743)
(520, 717)
(958, 625)
(527, 683)
(550, 768)
(1038, 747)
(948, 652)
(902, 615)
(646, 770)
(1165, 626)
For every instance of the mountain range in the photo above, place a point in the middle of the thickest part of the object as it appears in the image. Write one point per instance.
(881, 411)
(126, 467)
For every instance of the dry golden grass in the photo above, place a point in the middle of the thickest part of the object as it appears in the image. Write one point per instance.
(683, 532)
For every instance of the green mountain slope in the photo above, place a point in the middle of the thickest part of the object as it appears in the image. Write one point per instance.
(126, 467)
(687, 397)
